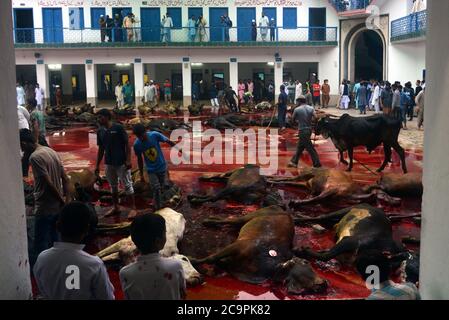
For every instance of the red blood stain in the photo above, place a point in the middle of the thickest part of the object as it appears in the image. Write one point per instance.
(77, 147)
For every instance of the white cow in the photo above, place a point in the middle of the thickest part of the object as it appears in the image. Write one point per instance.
(126, 250)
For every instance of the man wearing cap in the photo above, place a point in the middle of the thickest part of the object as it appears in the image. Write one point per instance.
(304, 115)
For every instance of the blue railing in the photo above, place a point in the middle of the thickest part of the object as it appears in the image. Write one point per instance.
(411, 26)
(174, 37)
(349, 5)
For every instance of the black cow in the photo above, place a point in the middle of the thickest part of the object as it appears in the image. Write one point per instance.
(349, 132)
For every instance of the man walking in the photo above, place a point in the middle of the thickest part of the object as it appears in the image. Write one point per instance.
(386, 99)
(119, 94)
(420, 104)
(316, 93)
(304, 115)
(39, 94)
(113, 145)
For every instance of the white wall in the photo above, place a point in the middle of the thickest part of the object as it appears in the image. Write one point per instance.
(434, 280)
(407, 61)
(14, 267)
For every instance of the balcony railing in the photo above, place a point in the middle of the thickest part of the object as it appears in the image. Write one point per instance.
(350, 5)
(153, 37)
(411, 26)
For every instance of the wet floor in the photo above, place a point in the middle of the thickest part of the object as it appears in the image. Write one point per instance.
(77, 148)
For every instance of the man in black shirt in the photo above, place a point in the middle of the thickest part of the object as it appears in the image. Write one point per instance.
(231, 96)
(113, 145)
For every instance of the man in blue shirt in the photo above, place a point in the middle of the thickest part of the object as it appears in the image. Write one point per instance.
(147, 147)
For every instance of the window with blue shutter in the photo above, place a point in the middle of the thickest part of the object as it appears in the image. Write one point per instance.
(290, 18)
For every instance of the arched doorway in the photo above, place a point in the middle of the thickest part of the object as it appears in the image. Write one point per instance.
(368, 56)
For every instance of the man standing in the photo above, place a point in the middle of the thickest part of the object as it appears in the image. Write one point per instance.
(50, 187)
(20, 95)
(408, 90)
(272, 29)
(418, 88)
(386, 99)
(167, 91)
(37, 125)
(291, 88)
(103, 27)
(39, 94)
(192, 25)
(226, 23)
(147, 147)
(128, 93)
(152, 94)
(24, 117)
(282, 107)
(304, 115)
(109, 27)
(326, 91)
(420, 103)
(253, 30)
(113, 145)
(298, 90)
(119, 94)
(167, 24)
(263, 24)
(58, 95)
(30, 95)
(128, 24)
(375, 98)
(344, 93)
(316, 93)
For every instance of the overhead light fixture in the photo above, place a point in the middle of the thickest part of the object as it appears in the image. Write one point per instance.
(196, 64)
(122, 64)
(271, 64)
(54, 66)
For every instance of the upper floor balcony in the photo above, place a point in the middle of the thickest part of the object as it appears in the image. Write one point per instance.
(181, 37)
(350, 8)
(409, 28)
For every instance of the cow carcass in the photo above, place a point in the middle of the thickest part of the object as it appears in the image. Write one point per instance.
(349, 132)
(263, 251)
(126, 250)
(330, 184)
(244, 185)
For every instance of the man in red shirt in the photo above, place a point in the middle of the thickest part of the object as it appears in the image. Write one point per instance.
(316, 88)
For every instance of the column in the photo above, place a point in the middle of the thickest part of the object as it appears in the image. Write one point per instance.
(186, 83)
(14, 268)
(138, 81)
(234, 74)
(42, 79)
(91, 83)
(67, 90)
(434, 282)
(278, 77)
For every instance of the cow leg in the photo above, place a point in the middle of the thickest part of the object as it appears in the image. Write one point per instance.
(342, 157)
(400, 151)
(198, 199)
(351, 158)
(346, 245)
(325, 218)
(324, 195)
(231, 250)
(387, 159)
(295, 182)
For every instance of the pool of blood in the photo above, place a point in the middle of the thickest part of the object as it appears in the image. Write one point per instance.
(77, 148)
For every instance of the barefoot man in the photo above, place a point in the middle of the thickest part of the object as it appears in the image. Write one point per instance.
(113, 145)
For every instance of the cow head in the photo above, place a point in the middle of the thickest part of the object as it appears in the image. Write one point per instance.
(193, 277)
(322, 127)
(299, 277)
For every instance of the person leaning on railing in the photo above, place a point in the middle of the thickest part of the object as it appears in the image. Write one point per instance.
(201, 28)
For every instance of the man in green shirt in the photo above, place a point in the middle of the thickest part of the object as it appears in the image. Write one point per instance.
(128, 93)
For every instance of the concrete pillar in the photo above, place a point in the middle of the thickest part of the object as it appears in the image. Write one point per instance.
(234, 75)
(14, 268)
(91, 83)
(434, 280)
(186, 84)
(42, 79)
(278, 77)
(138, 82)
(67, 90)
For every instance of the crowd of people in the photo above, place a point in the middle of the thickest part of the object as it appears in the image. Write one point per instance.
(396, 100)
(62, 221)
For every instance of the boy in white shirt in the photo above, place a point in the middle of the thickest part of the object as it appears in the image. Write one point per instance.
(152, 277)
(66, 272)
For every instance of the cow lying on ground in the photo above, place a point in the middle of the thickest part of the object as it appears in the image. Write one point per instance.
(126, 250)
(349, 132)
(263, 251)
